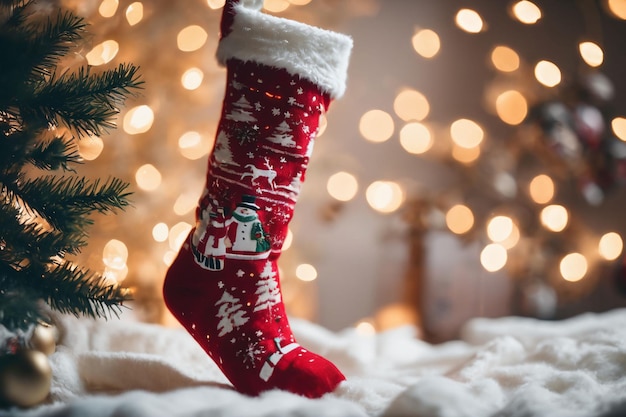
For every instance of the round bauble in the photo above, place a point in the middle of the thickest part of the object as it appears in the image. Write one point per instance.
(43, 339)
(25, 378)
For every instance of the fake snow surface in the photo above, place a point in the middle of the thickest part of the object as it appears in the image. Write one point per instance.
(500, 367)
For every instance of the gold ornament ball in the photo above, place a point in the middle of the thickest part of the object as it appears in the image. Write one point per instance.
(24, 378)
(43, 339)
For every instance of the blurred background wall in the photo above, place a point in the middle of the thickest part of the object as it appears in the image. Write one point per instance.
(475, 166)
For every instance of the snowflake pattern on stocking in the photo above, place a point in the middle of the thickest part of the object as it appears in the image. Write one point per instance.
(252, 354)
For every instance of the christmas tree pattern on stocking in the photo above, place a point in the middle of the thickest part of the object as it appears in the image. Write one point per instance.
(224, 286)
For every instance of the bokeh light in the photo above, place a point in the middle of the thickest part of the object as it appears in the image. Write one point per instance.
(499, 228)
(459, 219)
(90, 147)
(306, 272)
(384, 196)
(416, 138)
(505, 59)
(618, 8)
(512, 107)
(148, 178)
(591, 53)
(513, 238)
(185, 203)
(610, 246)
(469, 20)
(548, 73)
(573, 267)
(465, 155)
(191, 38)
(365, 328)
(192, 145)
(115, 276)
(160, 232)
(134, 13)
(321, 127)
(541, 189)
(178, 234)
(342, 186)
(376, 126)
(115, 254)
(169, 257)
(411, 105)
(554, 217)
(275, 6)
(466, 133)
(189, 140)
(216, 4)
(426, 43)
(618, 125)
(138, 120)
(493, 257)
(108, 8)
(192, 78)
(288, 240)
(526, 12)
(103, 53)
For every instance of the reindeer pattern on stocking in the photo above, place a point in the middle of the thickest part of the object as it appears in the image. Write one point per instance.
(268, 172)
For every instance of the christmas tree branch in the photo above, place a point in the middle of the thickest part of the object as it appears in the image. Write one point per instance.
(62, 201)
(18, 309)
(16, 145)
(84, 101)
(43, 218)
(30, 240)
(31, 51)
(58, 153)
(68, 289)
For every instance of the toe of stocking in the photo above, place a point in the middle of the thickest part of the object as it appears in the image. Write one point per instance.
(307, 374)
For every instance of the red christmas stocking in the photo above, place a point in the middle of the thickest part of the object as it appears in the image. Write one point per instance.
(224, 286)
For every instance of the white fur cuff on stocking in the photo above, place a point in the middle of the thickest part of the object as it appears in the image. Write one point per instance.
(318, 55)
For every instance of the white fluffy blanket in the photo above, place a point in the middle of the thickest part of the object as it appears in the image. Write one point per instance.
(500, 367)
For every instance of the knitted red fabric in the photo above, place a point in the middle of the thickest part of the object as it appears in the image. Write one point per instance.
(224, 286)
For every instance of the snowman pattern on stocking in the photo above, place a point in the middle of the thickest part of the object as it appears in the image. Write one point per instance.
(241, 236)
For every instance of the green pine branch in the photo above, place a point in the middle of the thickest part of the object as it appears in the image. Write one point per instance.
(83, 101)
(77, 291)
(19, 308)
(44, 218)
(58, 153)
(64, 202)
(31, 50)
(16, 145)
(31, 241)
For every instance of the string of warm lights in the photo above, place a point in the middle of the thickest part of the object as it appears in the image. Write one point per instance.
(467, 136)
(145, 253)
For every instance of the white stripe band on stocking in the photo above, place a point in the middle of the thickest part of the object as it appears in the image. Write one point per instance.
(268, 367)
(321, 56)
